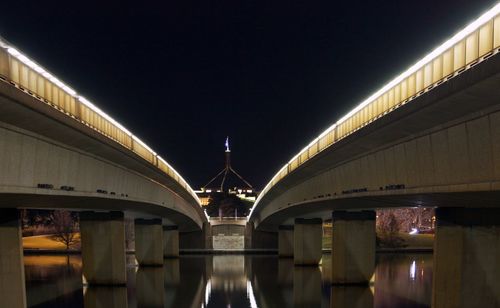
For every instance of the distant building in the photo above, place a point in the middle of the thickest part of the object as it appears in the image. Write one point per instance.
(227, 181)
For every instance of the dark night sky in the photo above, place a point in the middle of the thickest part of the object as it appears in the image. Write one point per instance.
(184, 75)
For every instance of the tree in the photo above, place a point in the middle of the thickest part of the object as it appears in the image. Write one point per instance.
(388, 227)
(406, 218)
(65, 227)
(227, 205)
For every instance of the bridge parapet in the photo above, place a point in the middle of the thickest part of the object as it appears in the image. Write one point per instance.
(26, 75)
(240, 221)
(475, 43)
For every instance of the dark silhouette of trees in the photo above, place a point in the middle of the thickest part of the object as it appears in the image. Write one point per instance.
(227, 205)
(65, 228)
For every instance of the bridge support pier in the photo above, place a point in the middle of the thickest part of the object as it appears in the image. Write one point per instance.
(12, 284)
(285, 241)
(171, 241)
(149, 242)
(466, 258)
(249, 229)
(353, 247)
(307, 241)
(103, 248)
(207, 235)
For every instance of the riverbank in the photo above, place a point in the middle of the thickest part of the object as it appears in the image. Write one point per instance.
(408, 242)
(411, 243)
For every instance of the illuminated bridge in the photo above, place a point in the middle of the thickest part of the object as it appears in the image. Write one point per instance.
(58, 150)
(430, 137)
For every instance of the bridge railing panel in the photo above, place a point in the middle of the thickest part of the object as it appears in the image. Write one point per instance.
(486, 39)
(471, 48)
(293, 164)
(4, 63)
(142, 151)
(496, 32)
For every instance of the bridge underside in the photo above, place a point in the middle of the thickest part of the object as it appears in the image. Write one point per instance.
(323, 208)
(438, 150)
(42, 145)
(100, 204)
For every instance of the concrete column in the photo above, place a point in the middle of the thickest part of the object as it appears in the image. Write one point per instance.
(12, 285)
(466, 258)
(248, 235)
(353, 247)
(149, 242)
(171, 241)
(207, 235)
(103, 248)
(307, 241)
(285, 241)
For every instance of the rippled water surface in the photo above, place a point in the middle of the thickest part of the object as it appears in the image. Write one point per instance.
(401, 280)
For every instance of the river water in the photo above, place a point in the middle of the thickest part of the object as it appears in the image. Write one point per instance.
(401, 280)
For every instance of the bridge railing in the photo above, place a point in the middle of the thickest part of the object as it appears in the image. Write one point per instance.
(475, 43)
(28, 76)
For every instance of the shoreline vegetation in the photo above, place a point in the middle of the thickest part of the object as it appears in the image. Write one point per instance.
(405, 242)
(398, 241)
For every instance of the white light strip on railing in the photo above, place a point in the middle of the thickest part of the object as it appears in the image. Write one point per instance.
(428, 58)
(31, 64)
(180, 178)
(39, 69)
(462, 34)
(87, 103)
(143, 144)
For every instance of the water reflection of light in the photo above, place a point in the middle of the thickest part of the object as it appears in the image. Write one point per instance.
(413, 269)
(208, 291)
(250, 295)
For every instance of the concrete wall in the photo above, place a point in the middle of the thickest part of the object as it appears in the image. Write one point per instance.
(460, 158)
(228, 230)
(443, 141)
(228, 242)
(28, 159)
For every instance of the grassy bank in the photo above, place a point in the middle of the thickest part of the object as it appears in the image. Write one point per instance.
(46, 242)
